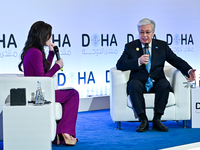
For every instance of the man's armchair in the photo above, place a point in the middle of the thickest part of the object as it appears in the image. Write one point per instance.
(48, 84)
(178, 106)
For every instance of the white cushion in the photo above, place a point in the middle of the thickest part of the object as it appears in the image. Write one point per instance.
(58, 111)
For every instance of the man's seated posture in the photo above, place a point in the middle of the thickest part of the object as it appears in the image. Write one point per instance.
(145, 57)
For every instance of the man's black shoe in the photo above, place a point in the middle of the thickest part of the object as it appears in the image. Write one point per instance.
(157, 125)
(144, 126)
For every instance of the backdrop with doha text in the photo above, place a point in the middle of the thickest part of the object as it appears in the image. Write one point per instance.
(91, 34)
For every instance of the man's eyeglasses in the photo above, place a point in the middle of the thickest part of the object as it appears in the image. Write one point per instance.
(147, 32)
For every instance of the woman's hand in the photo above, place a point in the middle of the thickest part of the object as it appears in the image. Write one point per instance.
(60, 63)
(51, 46)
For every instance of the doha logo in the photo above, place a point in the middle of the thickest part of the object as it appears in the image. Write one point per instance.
(177, 39)
(180, 39)
(99, 44)
(181, 43)
(95, 40)
(103, 40)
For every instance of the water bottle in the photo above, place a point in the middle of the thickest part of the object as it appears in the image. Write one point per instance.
(39, 98)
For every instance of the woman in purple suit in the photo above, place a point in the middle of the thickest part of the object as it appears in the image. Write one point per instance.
(35, 63)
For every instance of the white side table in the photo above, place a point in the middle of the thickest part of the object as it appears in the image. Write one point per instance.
(26, 127)
(195, 107)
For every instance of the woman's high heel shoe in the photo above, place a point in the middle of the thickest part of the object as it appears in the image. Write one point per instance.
(69, 141)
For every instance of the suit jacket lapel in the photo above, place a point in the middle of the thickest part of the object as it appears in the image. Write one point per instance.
(154, 49)
(139, 46)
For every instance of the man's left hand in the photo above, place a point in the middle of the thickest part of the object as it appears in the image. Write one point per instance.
(192, 75)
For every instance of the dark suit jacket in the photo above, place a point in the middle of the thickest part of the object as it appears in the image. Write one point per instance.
(160, 53)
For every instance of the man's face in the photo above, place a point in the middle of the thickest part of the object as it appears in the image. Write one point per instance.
(146, 33)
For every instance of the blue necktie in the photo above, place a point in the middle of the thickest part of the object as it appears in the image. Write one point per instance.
(149, 83)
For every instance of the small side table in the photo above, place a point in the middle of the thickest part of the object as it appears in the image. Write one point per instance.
(195, 107)
(26, 127)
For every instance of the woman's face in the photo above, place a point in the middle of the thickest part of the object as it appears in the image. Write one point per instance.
(49, 41)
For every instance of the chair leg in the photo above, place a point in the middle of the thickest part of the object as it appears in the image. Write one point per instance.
(184, 123)
(118, 125)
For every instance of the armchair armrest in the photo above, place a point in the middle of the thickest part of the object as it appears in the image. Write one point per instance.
(118, 93)
(181, 89)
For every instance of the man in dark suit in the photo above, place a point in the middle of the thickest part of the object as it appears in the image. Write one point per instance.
(147, 73)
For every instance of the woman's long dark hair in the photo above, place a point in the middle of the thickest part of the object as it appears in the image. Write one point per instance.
(38, 35)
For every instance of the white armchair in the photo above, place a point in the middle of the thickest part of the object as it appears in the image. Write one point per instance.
(48, 84)
(178, 106)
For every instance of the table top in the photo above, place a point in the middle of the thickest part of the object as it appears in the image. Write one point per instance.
(27, 105)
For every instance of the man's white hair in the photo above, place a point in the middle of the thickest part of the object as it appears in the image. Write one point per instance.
(146, 21)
